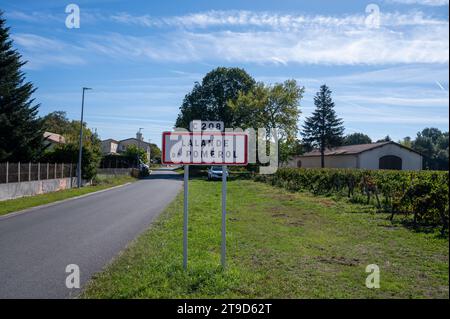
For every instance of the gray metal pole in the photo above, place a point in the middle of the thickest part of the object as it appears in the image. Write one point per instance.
(80, 151)
(224, 216)
(185, 217)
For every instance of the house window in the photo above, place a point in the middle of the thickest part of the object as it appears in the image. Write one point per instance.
(390, 162)
(299, 163)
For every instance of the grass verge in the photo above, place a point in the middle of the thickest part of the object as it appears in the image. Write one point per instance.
(18, 204)
(280, 245)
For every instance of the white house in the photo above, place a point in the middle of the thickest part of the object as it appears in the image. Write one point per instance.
(111, 146)
(385, 155)
(53, 139)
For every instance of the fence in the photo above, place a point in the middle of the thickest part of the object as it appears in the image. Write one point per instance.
(26, 172)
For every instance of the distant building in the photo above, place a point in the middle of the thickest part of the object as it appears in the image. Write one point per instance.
(53, 139)
(385, 155)
(111, 146)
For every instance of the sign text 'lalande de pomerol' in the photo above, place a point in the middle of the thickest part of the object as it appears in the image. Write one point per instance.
(206, 144)
(204, 148)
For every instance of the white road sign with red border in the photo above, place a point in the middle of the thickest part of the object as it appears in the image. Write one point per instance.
(205, 148)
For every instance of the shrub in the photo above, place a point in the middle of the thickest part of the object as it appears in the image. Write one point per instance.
(68, 153)
(423, 194)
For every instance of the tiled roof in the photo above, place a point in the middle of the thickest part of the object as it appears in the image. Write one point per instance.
(133, 138)
(352, 149)
(55, 138)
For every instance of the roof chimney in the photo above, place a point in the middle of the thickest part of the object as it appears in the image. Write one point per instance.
(139, 136)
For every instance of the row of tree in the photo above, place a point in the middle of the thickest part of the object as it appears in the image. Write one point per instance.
(226, 94)
(22, 130)
(231, 95)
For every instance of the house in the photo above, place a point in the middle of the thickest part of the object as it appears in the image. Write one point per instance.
(384, 155)
(53, 139)
(112, 146)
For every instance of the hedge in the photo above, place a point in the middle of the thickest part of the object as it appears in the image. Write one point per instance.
(422, 194)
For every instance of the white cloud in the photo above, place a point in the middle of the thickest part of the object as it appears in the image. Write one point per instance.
(434, 3)
(262, 38)
(40, 51)
(259, 37)
(235, 18)
(33, 17)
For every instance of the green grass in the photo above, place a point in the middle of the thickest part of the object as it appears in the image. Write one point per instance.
(14, 205)
(280, 245)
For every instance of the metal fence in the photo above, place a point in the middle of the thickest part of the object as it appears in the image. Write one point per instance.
(26, 172)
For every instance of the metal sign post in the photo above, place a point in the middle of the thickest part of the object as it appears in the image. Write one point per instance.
(185, 217)
(224, 216)
(207, 144)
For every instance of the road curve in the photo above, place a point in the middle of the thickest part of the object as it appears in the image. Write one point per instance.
(36, 246)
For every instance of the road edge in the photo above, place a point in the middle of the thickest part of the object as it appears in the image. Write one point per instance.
(31, 209)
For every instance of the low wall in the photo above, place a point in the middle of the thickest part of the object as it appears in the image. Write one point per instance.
(16, 190)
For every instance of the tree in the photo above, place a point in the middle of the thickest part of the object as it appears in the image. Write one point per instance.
(155, 153)
(387, 138)
(357, 138)
(133, 152)
(21, 133)
(270, 107)
(289, 148)
(56, 122)
(323, 129)
(407, 141)
(434, 146)
(68, 153)
(209, 100)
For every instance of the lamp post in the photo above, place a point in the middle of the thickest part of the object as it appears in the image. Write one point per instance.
(80, 151)
(139, 146)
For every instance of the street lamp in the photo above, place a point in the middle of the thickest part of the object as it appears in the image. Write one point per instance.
(80, 151)
(139, 145)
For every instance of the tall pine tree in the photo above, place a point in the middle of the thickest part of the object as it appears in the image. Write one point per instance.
(20, 128)
(323, 129)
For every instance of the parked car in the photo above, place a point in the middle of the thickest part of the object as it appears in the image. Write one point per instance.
(215, 172)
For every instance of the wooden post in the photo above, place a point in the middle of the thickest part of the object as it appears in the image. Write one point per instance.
(54, 176)
(39, 171)
(29, 171)
(48, 168)
(18, 172)
(62, 170)
(7, 172)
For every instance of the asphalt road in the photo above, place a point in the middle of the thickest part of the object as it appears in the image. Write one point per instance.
(36, 246)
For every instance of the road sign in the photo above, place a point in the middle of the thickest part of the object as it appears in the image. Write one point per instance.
(205, 145)
(206, 126)
(205, 148)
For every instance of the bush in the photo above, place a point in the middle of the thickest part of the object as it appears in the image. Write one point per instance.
(423, 194)
(68, 153)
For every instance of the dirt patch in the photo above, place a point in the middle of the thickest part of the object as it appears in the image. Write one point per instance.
(340, 260)
(296, 223)
(326, 202)
(279, 215)
(285, 197)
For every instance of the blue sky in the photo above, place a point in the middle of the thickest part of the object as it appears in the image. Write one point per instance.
(142, 57)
